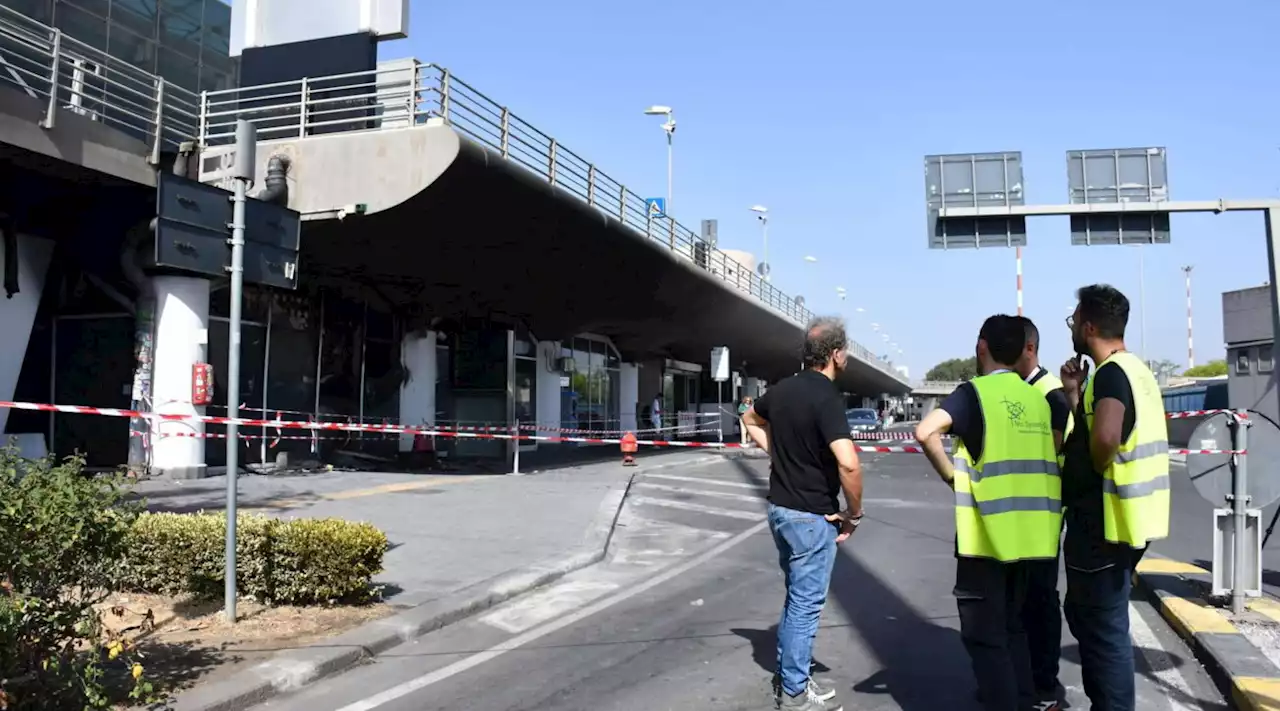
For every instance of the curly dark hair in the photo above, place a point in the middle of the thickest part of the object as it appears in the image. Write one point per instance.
(1105, 307)
(824, 336)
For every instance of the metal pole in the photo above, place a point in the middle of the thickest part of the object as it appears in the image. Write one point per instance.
(1017, 251)
(765, 222)
(1240, 508)
(720, 409)
(515, 458)
(670, 151)
(1191, 353)
(266, 370)
(1142, 297)
(246, 143)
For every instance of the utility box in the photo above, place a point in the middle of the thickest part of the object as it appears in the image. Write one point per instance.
(974, 180)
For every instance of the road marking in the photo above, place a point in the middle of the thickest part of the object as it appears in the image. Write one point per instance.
(498, 650)
(699, 492)
(530, 611)
(704, 480)
(699, 508)
(1160, 664)
(293, 502)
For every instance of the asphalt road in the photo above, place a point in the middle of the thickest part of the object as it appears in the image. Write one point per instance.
(682, 616)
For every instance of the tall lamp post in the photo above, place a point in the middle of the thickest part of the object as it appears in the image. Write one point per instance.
(1191, 353)
(670, 128)
(762, 214)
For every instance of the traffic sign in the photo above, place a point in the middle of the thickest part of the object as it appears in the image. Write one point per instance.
(720, 363)
(1212, 473)
(974, 180)
(1114, 176)
(193, 232)
(656, 207)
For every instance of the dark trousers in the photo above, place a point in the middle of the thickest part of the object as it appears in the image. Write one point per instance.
(990, 597)
(1042, 620)
(1097, 609)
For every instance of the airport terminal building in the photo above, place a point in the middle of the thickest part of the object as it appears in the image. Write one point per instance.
(457, 266)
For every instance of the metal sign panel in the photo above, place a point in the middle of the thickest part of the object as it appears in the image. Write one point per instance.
(974, 180)
(710, 232)
(656, 206)
(1114, 176)
(720, 363)
(193, 230)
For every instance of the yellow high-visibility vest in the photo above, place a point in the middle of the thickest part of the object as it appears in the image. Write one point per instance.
(1047, 383)
(1009, 500)
(1135, 485)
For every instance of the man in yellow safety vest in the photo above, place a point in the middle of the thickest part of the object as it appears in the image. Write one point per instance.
(1042, 614)
(1008, 506)
(1115, 488)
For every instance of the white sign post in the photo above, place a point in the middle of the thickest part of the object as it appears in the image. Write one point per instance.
(720, 373)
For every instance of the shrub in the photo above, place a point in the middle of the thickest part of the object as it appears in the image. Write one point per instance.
(298, 562)
(62, 537)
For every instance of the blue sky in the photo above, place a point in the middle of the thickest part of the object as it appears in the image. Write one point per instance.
(823, 111)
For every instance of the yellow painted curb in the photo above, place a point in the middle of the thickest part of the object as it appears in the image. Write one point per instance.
(1255, 693)
(1190, 617)
(1165, 566)
(1267, 607)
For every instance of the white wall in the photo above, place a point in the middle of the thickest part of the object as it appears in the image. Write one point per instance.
(182, 339)
(418, 393)
(19, 313)
(547, 407)
(629, 394)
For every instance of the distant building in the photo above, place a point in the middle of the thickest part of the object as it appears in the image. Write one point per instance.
(1249, 337)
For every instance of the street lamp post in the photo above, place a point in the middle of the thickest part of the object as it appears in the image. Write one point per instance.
(670, 128)
(762, 214)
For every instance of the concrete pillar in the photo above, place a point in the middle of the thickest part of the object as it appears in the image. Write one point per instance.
(182, 338)
(18, 315)
(418, 392)
(547, 406)
(628, 394)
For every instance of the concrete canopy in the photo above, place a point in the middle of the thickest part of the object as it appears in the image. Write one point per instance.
(483, 238)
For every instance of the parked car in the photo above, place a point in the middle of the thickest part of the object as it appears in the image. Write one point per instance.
(863, 419)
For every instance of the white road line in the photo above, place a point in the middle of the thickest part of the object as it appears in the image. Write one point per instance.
(698, 508)
(1160, 663)
(498, 650)
(644, 485)
(531, 610)
(704, 480)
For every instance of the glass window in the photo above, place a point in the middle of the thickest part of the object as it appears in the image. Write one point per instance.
(38, 10)
(133, 49)
(178, 68)
(1265, 361)
(1242, 361)
(139, 16)
(88, 28)
(216, 33)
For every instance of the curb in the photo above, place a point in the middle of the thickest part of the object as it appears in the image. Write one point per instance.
(1241, 670)
(291, 670)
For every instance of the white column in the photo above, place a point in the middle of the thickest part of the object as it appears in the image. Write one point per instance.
(418, 393)
(629, 394)
(18, 315)
(182, 337)
(547, 406)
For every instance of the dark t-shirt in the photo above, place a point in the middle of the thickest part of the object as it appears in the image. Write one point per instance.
(805, 414)
(966, 416)
(1085, 546)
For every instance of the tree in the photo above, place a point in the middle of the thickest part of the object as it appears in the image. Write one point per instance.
(1212, 369)
(954, 369)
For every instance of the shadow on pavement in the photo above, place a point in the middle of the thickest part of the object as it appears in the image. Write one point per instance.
(764, 649)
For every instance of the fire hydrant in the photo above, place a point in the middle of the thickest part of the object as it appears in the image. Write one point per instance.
(629, 448)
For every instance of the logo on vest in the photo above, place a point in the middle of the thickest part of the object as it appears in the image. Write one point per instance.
(1017, 414)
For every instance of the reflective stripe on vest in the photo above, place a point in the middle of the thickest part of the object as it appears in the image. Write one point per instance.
(1009, 501)
(1135, 486)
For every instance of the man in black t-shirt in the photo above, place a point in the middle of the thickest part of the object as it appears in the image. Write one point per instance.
(801, 423)
(1098, 572)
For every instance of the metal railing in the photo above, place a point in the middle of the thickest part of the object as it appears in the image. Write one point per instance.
(409, 94)
(936, 385)
(69, 75)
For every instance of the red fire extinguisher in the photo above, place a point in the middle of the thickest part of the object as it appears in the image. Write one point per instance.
(201, 384)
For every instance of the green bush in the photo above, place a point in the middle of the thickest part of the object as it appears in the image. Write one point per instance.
(296, 562)
(62, 537)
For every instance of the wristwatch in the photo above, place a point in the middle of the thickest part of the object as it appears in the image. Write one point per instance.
(854, 520)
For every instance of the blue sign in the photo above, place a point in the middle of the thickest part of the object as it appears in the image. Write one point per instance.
(657, 207)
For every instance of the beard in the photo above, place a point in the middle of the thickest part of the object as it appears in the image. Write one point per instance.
(1077, 342)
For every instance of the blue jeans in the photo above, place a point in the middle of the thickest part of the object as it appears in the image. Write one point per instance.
(1097, 610)
(807, 552)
